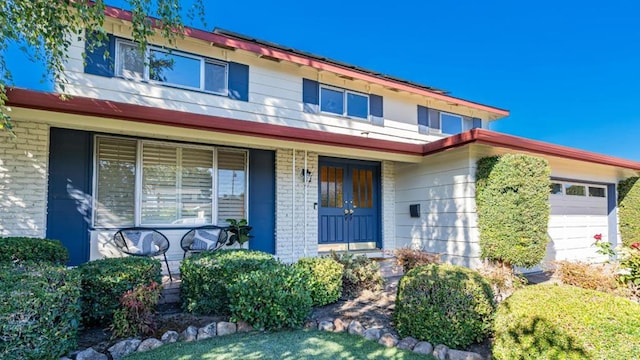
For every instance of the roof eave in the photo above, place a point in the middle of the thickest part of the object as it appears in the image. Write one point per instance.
(496, 139)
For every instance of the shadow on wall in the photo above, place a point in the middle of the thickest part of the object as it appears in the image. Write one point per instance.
(445, 225)
(22, 186)
(260, 108)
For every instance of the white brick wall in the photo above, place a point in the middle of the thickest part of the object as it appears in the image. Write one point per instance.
(23, 179)
(290, 215)
(388, 205)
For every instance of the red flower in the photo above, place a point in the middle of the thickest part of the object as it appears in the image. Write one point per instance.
(598, 237)
(635, 245)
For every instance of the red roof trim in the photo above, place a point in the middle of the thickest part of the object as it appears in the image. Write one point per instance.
(102, 108)
(487, 137)
(300, 60)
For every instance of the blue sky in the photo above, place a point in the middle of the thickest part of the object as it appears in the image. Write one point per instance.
(569, 71)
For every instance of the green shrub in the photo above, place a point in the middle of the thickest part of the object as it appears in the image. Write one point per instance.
(629, 210)
(271, 298)
(360, 273)
(444, 304)
(205, 277)
(408, 258)
(137, 312)
(512, 200)
(630, 265)
(566, 322)
(39, 311)
(15, 249)
(323, 278)
(105, 281)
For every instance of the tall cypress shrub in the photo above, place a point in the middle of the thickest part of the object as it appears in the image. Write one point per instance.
(629, 210)
(512, 199)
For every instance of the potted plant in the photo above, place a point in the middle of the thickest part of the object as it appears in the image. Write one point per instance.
(239, 230)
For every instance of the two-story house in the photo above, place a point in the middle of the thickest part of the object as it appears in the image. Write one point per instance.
(316, 154)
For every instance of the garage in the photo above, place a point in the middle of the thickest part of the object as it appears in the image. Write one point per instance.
(579, 212)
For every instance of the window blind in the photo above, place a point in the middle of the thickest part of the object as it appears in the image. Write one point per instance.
(196, 186)
(231, 184)
(116, 174)
(159, 202)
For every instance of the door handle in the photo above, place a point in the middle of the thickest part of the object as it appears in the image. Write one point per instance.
(350, 211)
(346, 211)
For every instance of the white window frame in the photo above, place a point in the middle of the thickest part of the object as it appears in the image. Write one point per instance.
(203, 60)
(345, 109)
(450, 114)
(138, 179)
(586, 186)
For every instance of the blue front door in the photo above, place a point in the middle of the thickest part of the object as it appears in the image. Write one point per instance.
(349, 208)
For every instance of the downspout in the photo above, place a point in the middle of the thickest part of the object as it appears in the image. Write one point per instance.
(306, 190)
(293, 206)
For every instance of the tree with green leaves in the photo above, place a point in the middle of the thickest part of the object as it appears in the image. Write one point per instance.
(45, 29)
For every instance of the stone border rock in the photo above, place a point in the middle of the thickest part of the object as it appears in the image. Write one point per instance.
(192, 333)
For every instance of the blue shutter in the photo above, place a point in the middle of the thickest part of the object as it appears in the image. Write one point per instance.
(262, 200)
(238, 81)
(423, 119)
(311, 96)
(100, 60)
(477, 123)
(376, 109)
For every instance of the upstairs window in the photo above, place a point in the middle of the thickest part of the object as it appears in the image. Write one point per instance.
(450, 124)
(343, 102)
(172, 68)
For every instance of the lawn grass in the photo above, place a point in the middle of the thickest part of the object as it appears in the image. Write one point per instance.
(294, 344)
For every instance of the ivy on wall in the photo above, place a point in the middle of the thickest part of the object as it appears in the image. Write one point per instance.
(629, 210)
(512, 199)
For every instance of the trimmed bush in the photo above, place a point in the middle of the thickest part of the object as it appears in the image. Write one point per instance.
(205, 277)
(271, 298)
(512, 200)
(566, 322)
(444, 304)
(408, 258)
(360, 273)
(16, 249)
(629, 210)
(105, 281)
(39, 311)
(323, 278)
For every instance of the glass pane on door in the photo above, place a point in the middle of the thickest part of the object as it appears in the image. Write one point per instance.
(362, 188)
(331, 187)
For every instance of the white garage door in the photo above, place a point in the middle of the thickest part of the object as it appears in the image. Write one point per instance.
(578, 213)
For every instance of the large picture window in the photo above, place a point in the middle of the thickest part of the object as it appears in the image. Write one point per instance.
(150, 183)
(171, 68)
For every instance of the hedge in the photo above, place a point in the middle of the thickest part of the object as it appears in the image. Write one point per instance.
(512, 200)
(566, 322)
(205, 277)
(39, 311)
(105, 281)
(323, 277)
(629, 210)
(360, 273)
(16, 249)
(444, 304)
(271, 298)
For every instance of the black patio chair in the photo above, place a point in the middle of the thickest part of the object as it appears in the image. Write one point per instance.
(203, 239)
(141, 241)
